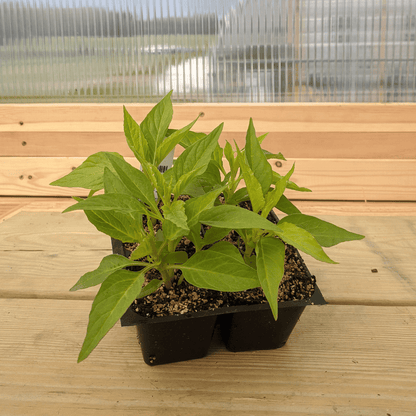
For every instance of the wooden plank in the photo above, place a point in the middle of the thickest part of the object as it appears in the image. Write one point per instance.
(10, 206)
(343, 145)
(51, 232)
(355, 208)
(353, 179)
(330, 179)
(303, 130)
(346, 360)
(44, 254)
(12, 115)
(378, 270)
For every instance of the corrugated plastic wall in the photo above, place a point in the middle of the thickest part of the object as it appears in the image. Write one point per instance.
(209, 51)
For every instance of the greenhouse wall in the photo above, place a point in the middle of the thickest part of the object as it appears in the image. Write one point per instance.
(216, 51)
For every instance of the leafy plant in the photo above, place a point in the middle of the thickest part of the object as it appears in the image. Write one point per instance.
(134, 201)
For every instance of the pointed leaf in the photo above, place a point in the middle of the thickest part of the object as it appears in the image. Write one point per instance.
(150, 288)
(262, 137)
(270, 155)
(273, 197)
(135, 181)
(176, 214)
(286, 206)
(176, 257)
(190, 138)
(195, 206)
(113, 184)
(127, 228)
(144, 248)
(89, 174)
(135, 137)
(194, 160)
(198, 154)
(171, 141)
(111, 202)
(156, 124)
(108, 266)
(176, 222)
(254, 188)
(213, 234)
(257, 160)
(232, 217)
(220, 268)
(239, 196)
(270, 268)
(302, 240)
(229, 154)
(326, 234)
(116, 294)
(290, 184)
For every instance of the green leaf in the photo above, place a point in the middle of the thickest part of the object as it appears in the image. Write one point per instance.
(232, 217)
(176, 214)
(150, 288)
(270, 155)
(229, 154)
(195, 206)
(155, 125)
(239, 196)
(176, 221)
(90, 174)
(290, 184)
(111, 202)
(254, 187)
(262, 137)
(213, 234)
(257, 160)
(135, 181)
(273, 197)
(191, 138)
(286, 206)
(217, 158)
(325, 233)
(116, 294)
(198, 154)
(193, 161)
(201, 184)
(176, 257)
(220, 268)
(127, 228)
(113, 184)
(302, 240)
(270, 268)
(171, 141)
(144, 248)
(135, 137)
(108, 266)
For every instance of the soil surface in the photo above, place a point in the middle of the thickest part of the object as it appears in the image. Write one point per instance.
(297, 284)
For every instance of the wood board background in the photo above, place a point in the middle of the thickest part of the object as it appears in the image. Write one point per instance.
(354, 356)
(358, 152)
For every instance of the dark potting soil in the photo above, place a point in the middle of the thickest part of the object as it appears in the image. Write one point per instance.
(184, 298)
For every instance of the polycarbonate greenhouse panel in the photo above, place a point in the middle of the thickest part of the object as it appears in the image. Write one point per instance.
(208, 51)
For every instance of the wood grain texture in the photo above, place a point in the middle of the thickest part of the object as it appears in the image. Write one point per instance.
(388, 248)
(346, 360)
(298, 131)
(44, 254)
(10, 206)
(307, 144)
(330, 179)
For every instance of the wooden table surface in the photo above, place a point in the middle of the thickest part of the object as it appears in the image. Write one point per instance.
(354, 356)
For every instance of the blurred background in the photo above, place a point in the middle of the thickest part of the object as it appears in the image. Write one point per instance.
(207, 51)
